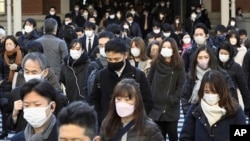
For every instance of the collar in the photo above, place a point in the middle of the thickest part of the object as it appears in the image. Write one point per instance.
(119, 73)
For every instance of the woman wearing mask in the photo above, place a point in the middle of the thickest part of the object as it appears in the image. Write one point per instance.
(225, 56)
(74, 71)
(186, 42)
(153, 49)
(126, 113)
(39, 103)
(166, 77)
(232, 23)
(234, 38)
(216, 110)
(177, 25)
(139, 57)
(204, 60)
(10, 65)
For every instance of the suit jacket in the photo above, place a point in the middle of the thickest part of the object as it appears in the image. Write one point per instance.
(94, 50)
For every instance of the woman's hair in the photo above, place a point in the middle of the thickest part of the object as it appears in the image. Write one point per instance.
(234, 33)
(212, 64)
(217, 82)
(139, 42)
(125, 88)
(176, 60)
(155, 42)
(41, 87)
(12, 38)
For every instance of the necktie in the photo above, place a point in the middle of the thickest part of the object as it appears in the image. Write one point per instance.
(89, 46)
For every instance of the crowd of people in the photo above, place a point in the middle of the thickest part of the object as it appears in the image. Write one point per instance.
(103, 73)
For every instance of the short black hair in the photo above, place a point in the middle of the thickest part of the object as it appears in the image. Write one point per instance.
(242, 32)
(68, 15)
(221, 28)
(19, 33)
(88, 24)
(129, 15)
(50, 25)
(35, 46)
(79, 29)
(202, 26)
(41, 87)
(106, 34)
(116, 45)
(32, 21)
(114, 28)
(85, 117)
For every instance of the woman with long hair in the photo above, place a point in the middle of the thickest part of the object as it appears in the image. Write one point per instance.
(216, 110)
(166, 77)
(126, 113)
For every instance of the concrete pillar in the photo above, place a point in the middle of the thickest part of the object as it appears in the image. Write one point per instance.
(65, 6)
(224, 12)
(208, 5)
(233, 8)
(17, 15)
(9, 14)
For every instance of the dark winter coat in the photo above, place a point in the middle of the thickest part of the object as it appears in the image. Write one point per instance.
(166, 84)
(196, 126)
(73, 76)
(189, 84)
(102, 90)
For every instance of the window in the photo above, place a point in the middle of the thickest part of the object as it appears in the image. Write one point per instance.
(2, 7)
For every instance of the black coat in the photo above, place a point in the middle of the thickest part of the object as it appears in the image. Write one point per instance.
(189, 84)
(166, 87)
(237, 75)
(101, 94)
(94, 49)
(73, 77)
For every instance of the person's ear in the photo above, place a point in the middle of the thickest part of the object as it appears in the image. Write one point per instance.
(126, 55)
(53, 106)
(97, 138)
(45, 72)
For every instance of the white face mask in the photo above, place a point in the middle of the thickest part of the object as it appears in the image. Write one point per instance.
(200, 40)
(166, 34)
(36, 117)
(118, 15)
(211, 99)
(102, 52)
(233, 41)
(75, 54)
(193, 16)
(52, 13)
(33, 76)
(125, 26)
(186, 40)
(28, 29)
(85, 14)
(132, 12)
(67, 22)
(135, 51)
(166, 52)
(124, 109)
(177, 21)
(88, 33)
(111, 16)
(203, 63)
(77, 9)
(223, 58)
(232, 23)
(130, 22)
(157, 31)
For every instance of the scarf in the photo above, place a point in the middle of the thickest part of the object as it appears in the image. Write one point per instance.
(75, 63)
(213, 113)
(185, 47)
(44, 135)
(18, 60)
(199, 75)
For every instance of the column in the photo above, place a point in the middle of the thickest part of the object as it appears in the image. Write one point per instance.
(9, 26)
(233, 8)
(17, 15)
(224, 12)
(65, 6)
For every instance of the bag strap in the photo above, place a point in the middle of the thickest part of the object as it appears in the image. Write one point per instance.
(123, 131)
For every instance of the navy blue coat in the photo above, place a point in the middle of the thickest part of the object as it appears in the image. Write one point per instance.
(196, 126)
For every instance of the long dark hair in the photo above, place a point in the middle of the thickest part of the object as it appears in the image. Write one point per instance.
(112, 122)
(217, 81)
(213, 63)
(176, 60)
(139, 42)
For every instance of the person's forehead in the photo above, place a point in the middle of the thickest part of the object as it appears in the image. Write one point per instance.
(72, 131)
(32, 64)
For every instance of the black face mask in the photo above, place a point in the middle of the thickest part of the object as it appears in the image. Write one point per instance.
(115, 66)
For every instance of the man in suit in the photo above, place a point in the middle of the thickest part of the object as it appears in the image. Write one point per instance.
(90, 40)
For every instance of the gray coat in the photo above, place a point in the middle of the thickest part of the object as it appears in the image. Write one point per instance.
(55, 50)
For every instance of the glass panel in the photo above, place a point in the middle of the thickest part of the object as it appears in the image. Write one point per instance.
(2, 7)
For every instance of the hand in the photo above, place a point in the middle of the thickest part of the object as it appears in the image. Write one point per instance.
(1, 82)
(18, 105)
(13, 66)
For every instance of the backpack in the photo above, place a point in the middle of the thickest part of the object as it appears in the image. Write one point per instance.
(90, 83)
